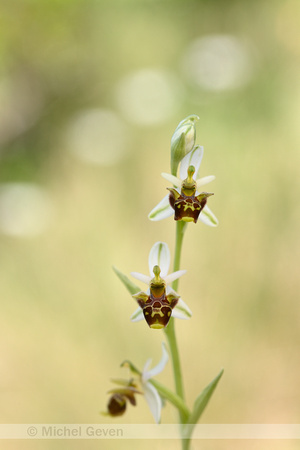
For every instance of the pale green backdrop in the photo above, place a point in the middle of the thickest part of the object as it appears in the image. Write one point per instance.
(90, 94)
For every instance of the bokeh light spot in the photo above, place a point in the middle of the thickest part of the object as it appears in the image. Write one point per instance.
(149, 96)
(218, 62)
(25, 209)
(97, 136)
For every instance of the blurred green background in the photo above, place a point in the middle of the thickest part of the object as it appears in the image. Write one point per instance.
(90, 94)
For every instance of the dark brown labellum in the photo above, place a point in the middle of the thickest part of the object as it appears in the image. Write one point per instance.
(116, 405)
(158, 310)
(187, 208)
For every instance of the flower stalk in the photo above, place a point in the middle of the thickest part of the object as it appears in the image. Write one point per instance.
(170, 330)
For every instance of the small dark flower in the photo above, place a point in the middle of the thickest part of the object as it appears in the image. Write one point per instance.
(118, 401)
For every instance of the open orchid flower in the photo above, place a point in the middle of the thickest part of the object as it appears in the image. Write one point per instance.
(184, 198)
(151, 395)
(159, 302)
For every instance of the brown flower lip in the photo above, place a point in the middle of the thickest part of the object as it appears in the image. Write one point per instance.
(157, 306)
(187, 207)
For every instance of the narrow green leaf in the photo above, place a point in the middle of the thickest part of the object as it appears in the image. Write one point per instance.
(203, 399)
(199, 406)
(130, 286)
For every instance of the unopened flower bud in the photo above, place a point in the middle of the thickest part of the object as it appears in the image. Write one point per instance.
(183, 141)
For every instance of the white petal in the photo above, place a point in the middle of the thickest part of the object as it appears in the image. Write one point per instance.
(159, 256)
(193, 158)
(173, 276)
(172, 179)
(181, 310)
(139, 276)
(137, 316)
(160, 366)
(162, 210)
(154, 401)
(146, 367)
(208, 217)
(204, 180)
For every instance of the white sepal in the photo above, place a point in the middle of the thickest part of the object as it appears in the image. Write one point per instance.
(137, 316)
(159, 256)
(193, 158)
(207, 216)
(162, 210)
(181, 311)
(154, 401)
(151, 395)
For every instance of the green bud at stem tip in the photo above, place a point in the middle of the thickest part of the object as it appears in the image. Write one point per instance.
(183, 141)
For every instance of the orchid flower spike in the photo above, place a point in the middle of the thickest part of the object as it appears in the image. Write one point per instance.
(184, 198)
(159, 302)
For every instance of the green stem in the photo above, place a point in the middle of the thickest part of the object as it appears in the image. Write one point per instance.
(186, 444)
(180, 229)
(170, 330)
